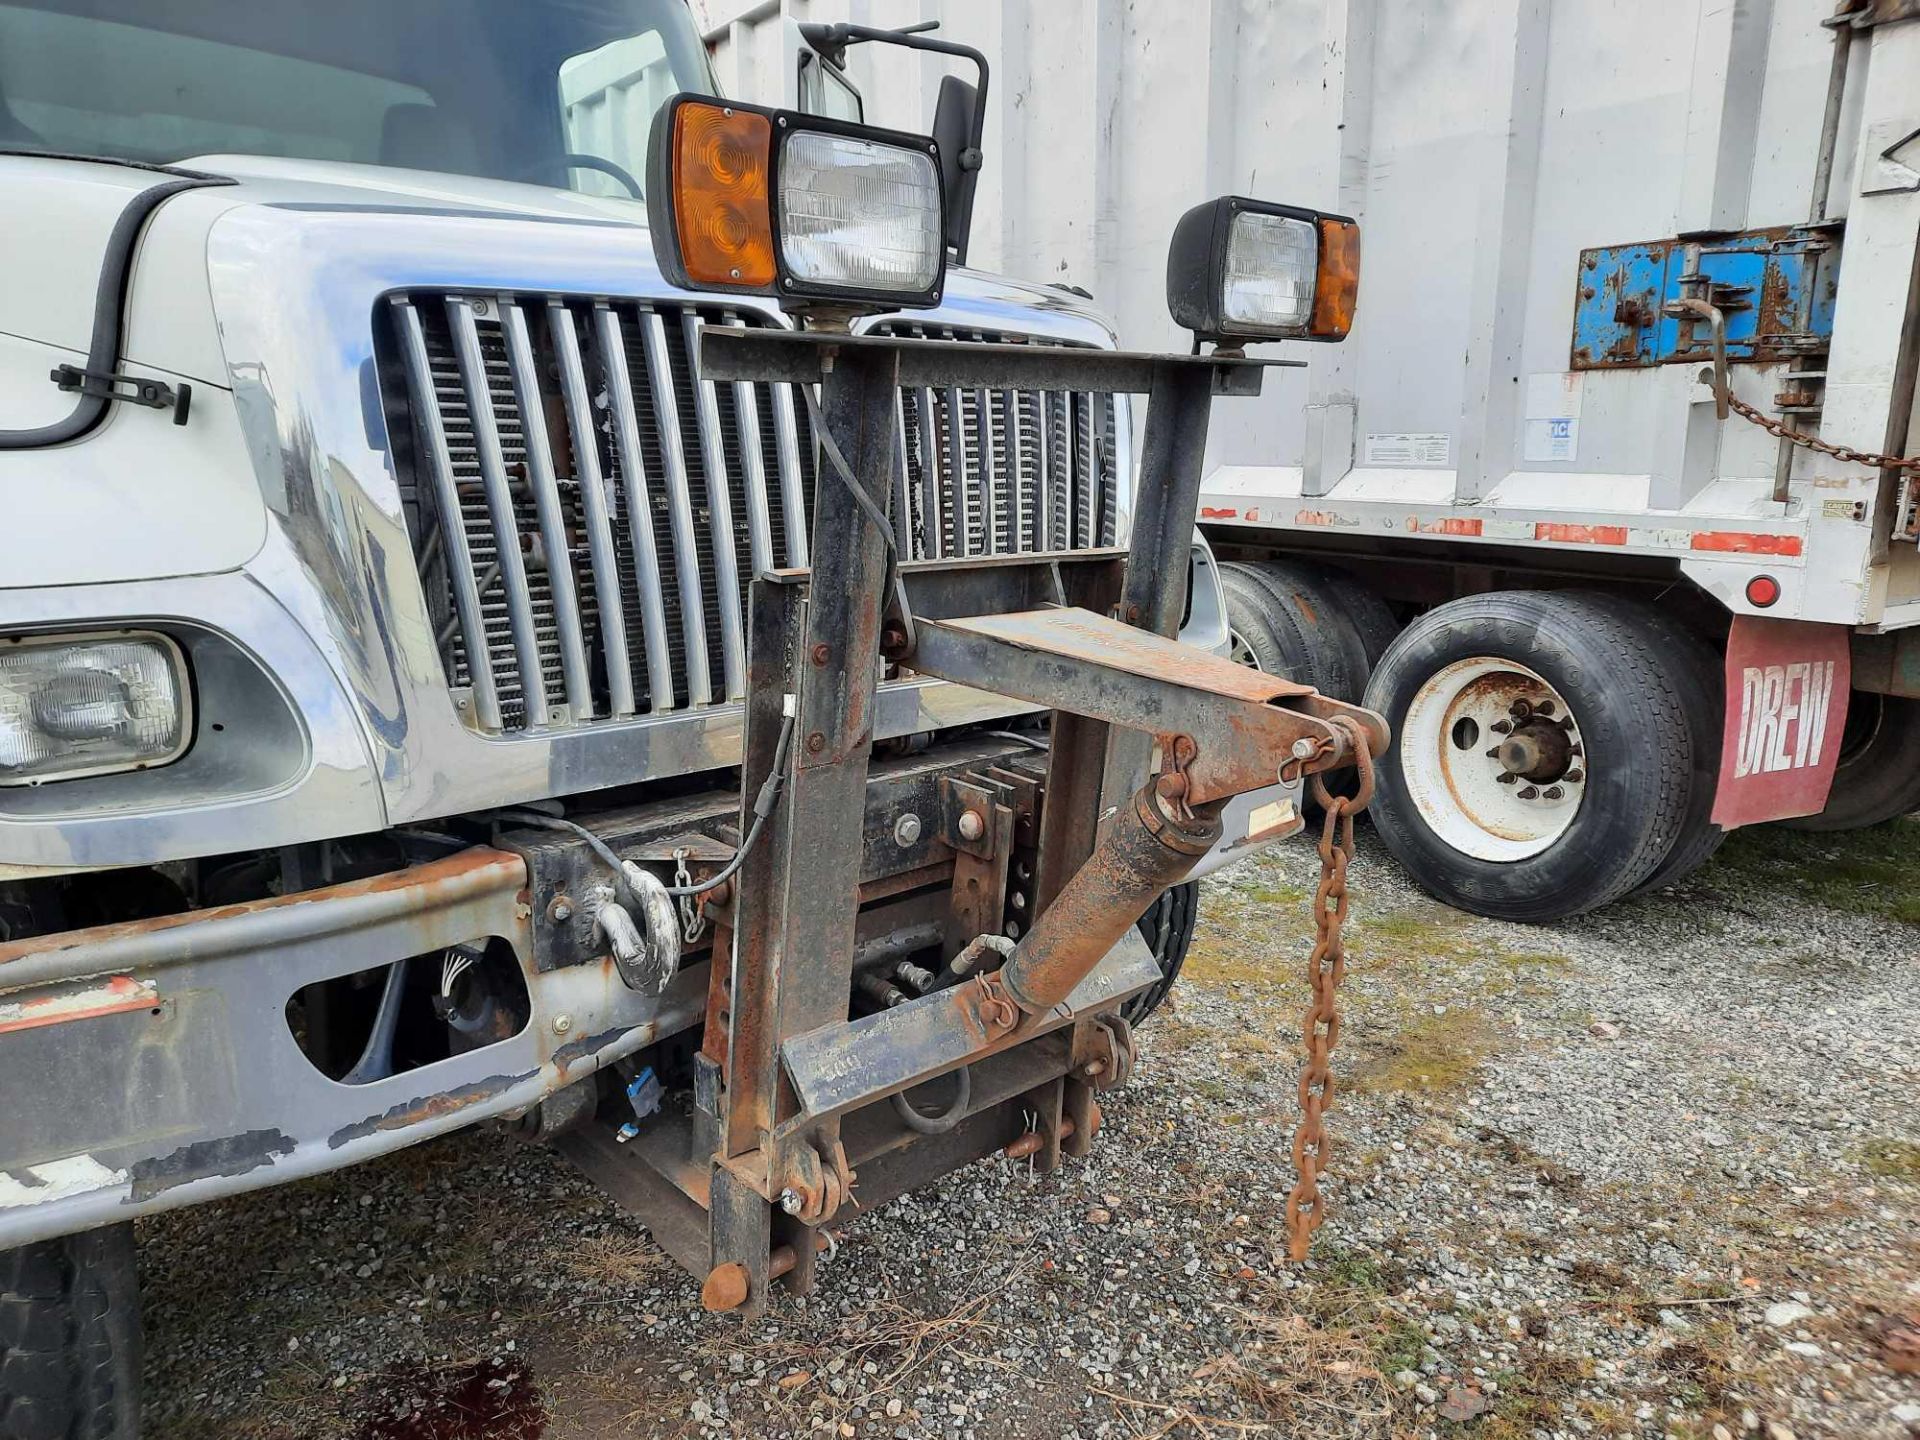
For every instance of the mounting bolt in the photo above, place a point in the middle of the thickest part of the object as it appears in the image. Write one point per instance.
(972, 825)
(816, 742)
(821, 653)
(561, 910)
(906, 830)
(562, 1024)
(1305, 749)
(791, 1202)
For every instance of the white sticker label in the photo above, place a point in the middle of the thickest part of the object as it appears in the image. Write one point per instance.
(1408, 449)
(1553, 439)
(1552, 432)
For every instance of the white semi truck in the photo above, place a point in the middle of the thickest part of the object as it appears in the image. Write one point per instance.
(1609, 503)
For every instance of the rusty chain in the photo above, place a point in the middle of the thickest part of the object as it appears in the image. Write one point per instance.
(1325, 966)
(1781, 430)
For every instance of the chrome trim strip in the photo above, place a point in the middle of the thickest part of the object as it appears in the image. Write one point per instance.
(1047, 469)
(793, 482)
(446, 494)
(686, 551)
(553, 520)
(958, 476)
(639, 501)
(930, 507)
(746, 409)
(506, 533)
(594, 501)
(902, 506)
(989, 468)
(713, 459)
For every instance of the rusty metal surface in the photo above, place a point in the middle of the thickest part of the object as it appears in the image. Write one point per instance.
(1321, 1029)
(204, 1091)
(1141, 851)
(1245, 724)
(837, 1068)
(801, 358)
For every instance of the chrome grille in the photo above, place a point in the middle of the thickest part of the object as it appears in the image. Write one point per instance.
(587, 509)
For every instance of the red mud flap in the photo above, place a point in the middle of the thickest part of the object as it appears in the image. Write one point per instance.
(1787, 683)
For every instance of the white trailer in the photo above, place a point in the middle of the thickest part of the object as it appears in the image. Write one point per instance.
(1610, 612)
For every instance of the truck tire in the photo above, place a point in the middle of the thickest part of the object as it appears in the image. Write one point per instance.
(1263, 633)
(1369, 616)
(1569, 700)
(70, 1338)
(1335, 656)
(1878, 775)
(1167, 928)
(1698, 677)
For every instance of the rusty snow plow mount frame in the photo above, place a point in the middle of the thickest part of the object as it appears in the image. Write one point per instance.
(790, 1130)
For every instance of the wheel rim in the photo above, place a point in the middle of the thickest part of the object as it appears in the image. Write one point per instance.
(1491, 756)
(1240, 652)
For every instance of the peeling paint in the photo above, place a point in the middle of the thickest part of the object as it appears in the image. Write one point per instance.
(56, 1180)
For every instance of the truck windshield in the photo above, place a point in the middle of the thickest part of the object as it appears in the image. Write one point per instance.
(553, 92)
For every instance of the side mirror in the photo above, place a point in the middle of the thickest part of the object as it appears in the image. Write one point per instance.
(959, 116)
(955, 126)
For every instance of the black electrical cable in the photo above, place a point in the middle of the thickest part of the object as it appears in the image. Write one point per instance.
(891, 588)
(764, 805)
(110, 294)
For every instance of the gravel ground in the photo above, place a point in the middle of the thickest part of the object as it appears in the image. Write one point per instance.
(1652, 1173)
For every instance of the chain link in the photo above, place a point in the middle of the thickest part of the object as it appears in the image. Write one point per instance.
(692, 923)
(1325, 966)
(1783, 431)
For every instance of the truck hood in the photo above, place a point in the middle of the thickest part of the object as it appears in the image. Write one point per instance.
(64, 210)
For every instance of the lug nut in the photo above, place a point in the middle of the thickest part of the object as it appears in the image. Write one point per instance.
(972, 825)
(1545, 707)
(1575, 776)
(1530, 793)
(1554, 792)
(1502, 727)
(1519, 710)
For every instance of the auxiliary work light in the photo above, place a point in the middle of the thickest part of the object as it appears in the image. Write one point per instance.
(90, 705)
(1241, 269)
(773, 202)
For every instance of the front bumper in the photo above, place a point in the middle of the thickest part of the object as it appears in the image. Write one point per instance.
(150, 1064)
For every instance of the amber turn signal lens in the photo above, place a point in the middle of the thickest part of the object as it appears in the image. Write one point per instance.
(723, 223)
(1336, 288)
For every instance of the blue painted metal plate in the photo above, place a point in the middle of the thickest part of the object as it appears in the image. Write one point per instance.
(1775, 287)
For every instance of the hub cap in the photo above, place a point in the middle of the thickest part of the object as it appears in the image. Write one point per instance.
(1492, 759)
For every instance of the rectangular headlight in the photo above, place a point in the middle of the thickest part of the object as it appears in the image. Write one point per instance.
(90, 705)
(1241, 269)
(859, 214)
(772, 202)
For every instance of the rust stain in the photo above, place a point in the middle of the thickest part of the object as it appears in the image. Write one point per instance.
(430, 1107)
(442, 881)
